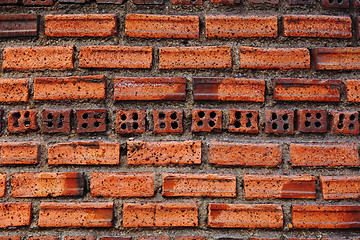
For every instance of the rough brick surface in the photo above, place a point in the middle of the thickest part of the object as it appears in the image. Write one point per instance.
(345, 122)
(91, 120)
(14, 90)
(23, 121)
(19, 153)
(352, 92)
(130, 121)
(3, 181)
(15, 214)
(56, 121)
(19, 25)
(279, 121)
(168, 121)
(243, 121)
(206, 120)
(340, 187)
(312, 120)
(326, 58)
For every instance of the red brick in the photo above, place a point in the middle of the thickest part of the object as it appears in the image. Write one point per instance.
(70, 88)
(38, 2)
(14, 90)
(106, 184)
(312, 120)
(19, 153)
(279, 121)
(153, 238)
(15, 214)
(47, 184)
(244, 121)
(3, 180)
(301, 2)
(245, 216)
(294, 89)
(352, 90)
(94, 214)
(274, 58)
(316, 26)
(189, 238)
(43, 238)
(341, 58)
(91, 120)
(81, 25)
(199, 185)
(56, 121)
(18, 25)
(325, 216)
(149, 88)
(206, 120)
(115, 57)
(160, 215)
(274, 2)
(13, 237)
(187, 2)
(23, 121)
(229, 89)
(226, 1)
(168, 121)
(148, 2)
(52, 57)
(8, 2)
(195, 57)
(115, 238)
(161, 26)
(344, 122)
(279, 186)
(245, 154)
(111, 1)
(340, 187)
(130, 121)
(324, 154)
(335, 4)
(162, 153)
(84, 153)
(223, 26)
(88, 237)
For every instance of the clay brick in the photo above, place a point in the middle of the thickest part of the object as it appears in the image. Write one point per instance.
(115, 238)
(19, 25)
(340, 187)
(149, 88)
(105, 184)
(195, 57)
(117, 2)
(13, 237)
(15, 214)
(56, 121)
(341, 58)
(161, 26)
(115, 57)
(279, 186)
(245, 154)
(160, 215)
(73, 1)
(14, 89)
(47, 184)
(91, 120)
(3, 180)
(153, 238)
(22, 121)
(84, 153)
(274, 58)
(324, 154)
(223, 26)
(81, 25)
(206, 120)
(279, 121)
(335, 3)
(301, 2)
(52, 57)
(43, 238)
(274, 2)
(8, 2)
(162, 153)
(80, 238)
(70, 88)
(295, 89)
(226, 1)
(312, 120)
(229, 89)
(187, 2)
(94, 214)
(245, 216)
(19, 153)
(198, 185)
(345, 122)
(243, 121)
(38, 2)
(148, 2)
(130, 121)
(325, 216)
(189, 238)
(352, 92)
(168, 121)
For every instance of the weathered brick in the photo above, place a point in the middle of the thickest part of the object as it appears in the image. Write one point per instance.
(274, 2)
(153, 238)
(91, 120)
(70, 88)
(245, 216)
(148, 2)
(115, 238)
(223, 26)
(84, 153)
(22, 121)
(88, 237)
(25, 58)
(14, 89)
(189, 238)
(73, 1)
(15, 214)
(301, 2)
(335, 3)
(340, 187)
(19, 153)
(274, 58)
(43, 238)
(19, 25)
(168, 121)
(245, 154)
(56, 121)
(115, 57)
(311, 120)
(13, 237)
(3, 181)
(279, 121)
(279, 186)
(161, 153)
(206, 120)
(94, 214)
(345, 122)
(226, 1)
(7, 2)
(244, 121)
(352, 90)
(324, 154)
(187, 2)
(160, 215)
(195, 57)
(105, 184)
(117, 2)
(38, 2)
(130, 121)
(340, 58)
(161, 26)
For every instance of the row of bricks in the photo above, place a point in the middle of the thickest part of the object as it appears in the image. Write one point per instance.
(89, 237)
(101, 214)
(182, 153)
(115, 184)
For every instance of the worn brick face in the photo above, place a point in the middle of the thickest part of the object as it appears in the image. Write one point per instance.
(168, 121)
(345, 122)
(14, 90)
(91, 120)
(3, 181)
(243, 121)
(23, 121)
(18, 25)
(206, 120)
(279, 121)
(312, 120)
(346, 58)
(19, 153)
(130, 121)
(56, 121)
(340, 187)
(15, 214)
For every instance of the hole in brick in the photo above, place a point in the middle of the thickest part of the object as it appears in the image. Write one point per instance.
(123, 126)
(331, 1)
(85, 116)
(237, 124)
(286, 126)
(274, 126)
(16, 124)
(211, 123)
(60, 124)
(237, 115)
(27, 114)
(162, 125)
(201, 114)
(200, 123)
(61, 117)
(49, 124)
(307, 124)
(352, 117)
(97, 115)
(96, 124)
(27, 123)
(308, 115)
(174, 125)
(317, 124)
(173, 116)
(248, 124)
(249, 115)
(123, 117)
(84, 125)
(285, 117)
(16, 115)
(213, 114)
(341, 117)
(135, 116)
(340, 126)
(135, 125)
(340, 1)
(161, 115)
(273, 116)
(318, 115)
(351, 126)
(50, 116)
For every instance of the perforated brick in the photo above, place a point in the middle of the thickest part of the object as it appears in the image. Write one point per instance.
(23, 121)
(130, 121)
(91, 120)
(168, 121)
(345, 122)
(312, 120)
(279, 121)
(335, 3)
(243, 121)
(206, 120)
(56, 121)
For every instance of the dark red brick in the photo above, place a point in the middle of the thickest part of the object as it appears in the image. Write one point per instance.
(335, 3)
(274, 2)
(311, 120)
(19, 25)
(73, 1)
(111, 1)
(56, 121)
(38, 2)
(206, 120)
(301, 2)
(23, 121)
(13, 237)
(148, 2)
(115, 238)
(187, 2)
(345, 122)
(7, 2)
(91, 120)
(130, 121)
(168, 121)
(243, 121)
(279, 121)
(80, 237)
(225, 1)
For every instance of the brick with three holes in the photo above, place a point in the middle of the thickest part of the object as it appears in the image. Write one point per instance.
(206, 120)
(168, 121)
(346, 122)
(130, 121)
(243, 121)
(279, 121)
(91, 120)
(312, 120)
(56, 121)
(23, 121)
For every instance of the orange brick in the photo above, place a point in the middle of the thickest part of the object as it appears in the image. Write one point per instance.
(223, 26)
(19, 153)
(160, 215)
(341, 58)
(340, 187)
(81, 25)
(84, 153)
(3, 180)
(189, 238)
(195, 57)
(325, 154)
(161, 153)
(95, 214)
(105, 184)
(15, 214)
(47, 184)
(70, 88)
(13, 237)
(279, 186)
(52, 57)
(115, 57)
(161, 26)
(274, 58)
(88, 237)
(317, 26)
(252, 154)
(245, 216)
(199, 185)
(14, 90)
(153, 238)
(352, 90)
(43, 238)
